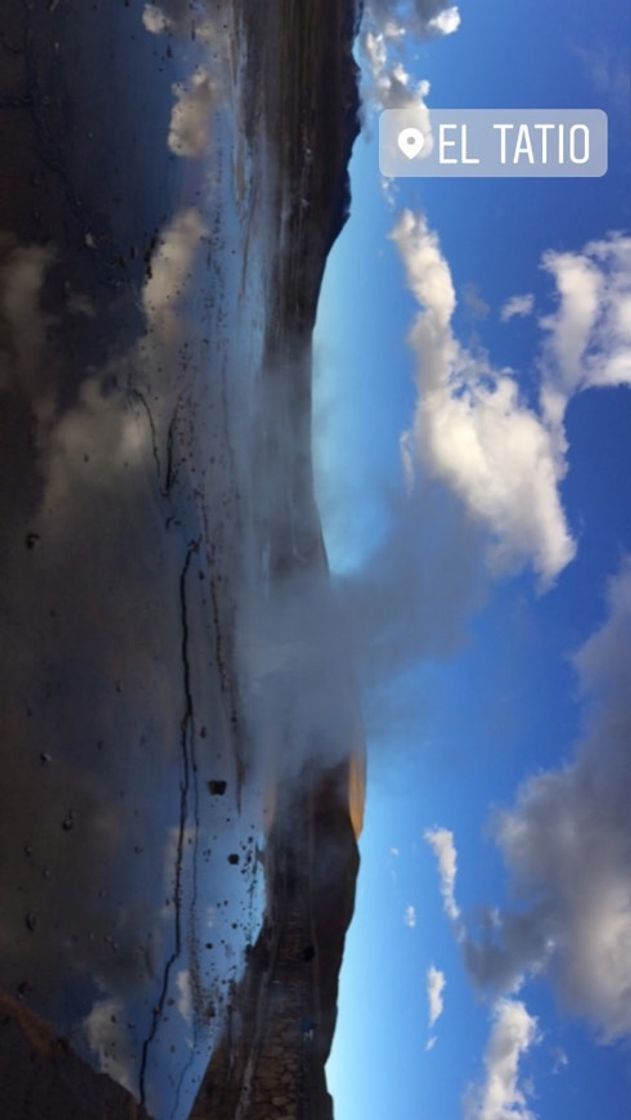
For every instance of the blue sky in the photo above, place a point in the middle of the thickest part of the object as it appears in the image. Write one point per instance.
(461, 732)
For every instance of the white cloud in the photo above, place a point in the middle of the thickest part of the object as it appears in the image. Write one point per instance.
(184, 994)
(517, 307)
(107, 1037)
(474, 431)
(500, 1096)
(441, 841)
(410, 917)
(180, 17)
(422, 18)
(387, 83)
(154, 19)
(191, 115)
(117, 436)
(430, 1044)
(436, 983)
(171, 269)
(446, 22)
(588, 337)
(561, 1060)
(387, 25)
(566, 844)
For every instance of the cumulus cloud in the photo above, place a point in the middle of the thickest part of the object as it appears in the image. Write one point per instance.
(183, 18)
(154, 19)
(387, 27)
(503, 457)
(389, 85)
(436, 983)
(500, 1096)
(588, 336)
(189, 131)
(473, 429)
(171, 269)
(410, 917)
(445, 22)
(441, 841)
(107, 1037)
(424, 18)
(566, 843)
(517, 307)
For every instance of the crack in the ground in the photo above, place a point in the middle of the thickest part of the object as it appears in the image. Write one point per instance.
(187, 732)
(171, 471)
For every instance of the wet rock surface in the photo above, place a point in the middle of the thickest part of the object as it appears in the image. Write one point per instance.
(158, 287)
(41, 1077)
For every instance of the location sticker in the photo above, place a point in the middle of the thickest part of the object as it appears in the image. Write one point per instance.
(411, 141)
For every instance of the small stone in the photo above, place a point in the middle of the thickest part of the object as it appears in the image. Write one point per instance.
(217, 788)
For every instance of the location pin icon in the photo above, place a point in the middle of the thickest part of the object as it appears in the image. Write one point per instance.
(411, 141)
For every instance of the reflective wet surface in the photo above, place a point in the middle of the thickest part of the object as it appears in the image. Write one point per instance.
(178, 706)
(133, 815)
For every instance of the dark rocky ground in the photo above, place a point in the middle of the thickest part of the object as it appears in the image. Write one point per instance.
(271, 1063)
(118, 600)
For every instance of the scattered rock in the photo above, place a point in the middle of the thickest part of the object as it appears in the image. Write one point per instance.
(217, 788)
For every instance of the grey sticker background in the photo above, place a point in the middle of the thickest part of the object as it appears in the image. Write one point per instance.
(471, 134)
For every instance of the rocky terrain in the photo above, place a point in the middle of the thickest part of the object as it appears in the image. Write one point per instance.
(127, 487)
(271, 1062)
